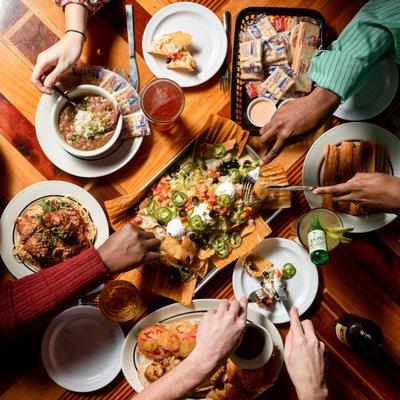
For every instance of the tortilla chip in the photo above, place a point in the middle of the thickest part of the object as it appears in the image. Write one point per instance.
(272, 174)
(260, 264)
(200, 268)
(221, 130)
(261, 231)
(162, 285)
(205, 254)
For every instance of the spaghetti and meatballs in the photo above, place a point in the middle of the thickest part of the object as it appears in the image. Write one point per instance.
(51, 231)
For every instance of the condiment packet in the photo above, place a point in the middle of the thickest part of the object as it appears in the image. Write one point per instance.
(128, 99)
(251, 56)
(135, 125)
(261, 28)
(275, 49)
(252, 88)
(277, 84)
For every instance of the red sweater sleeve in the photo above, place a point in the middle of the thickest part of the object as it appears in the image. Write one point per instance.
(33, 296)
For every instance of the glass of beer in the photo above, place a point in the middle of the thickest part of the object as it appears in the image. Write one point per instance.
(162, 102)
(327, 218)
(119, 301)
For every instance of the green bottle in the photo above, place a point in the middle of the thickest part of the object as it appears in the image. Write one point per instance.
(317, 243)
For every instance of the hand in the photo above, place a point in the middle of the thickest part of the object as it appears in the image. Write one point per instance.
(297, 118)
(129, 247)
(57, 59)
(374, 191)
(220, 332)
(304, 359)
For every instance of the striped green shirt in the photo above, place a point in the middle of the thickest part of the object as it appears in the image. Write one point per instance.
(372, 32)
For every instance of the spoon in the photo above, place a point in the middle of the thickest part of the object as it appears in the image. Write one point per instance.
(66, 97)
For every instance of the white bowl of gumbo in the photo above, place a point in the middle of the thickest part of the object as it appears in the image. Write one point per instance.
(91, 129)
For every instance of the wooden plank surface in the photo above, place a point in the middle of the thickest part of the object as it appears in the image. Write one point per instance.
(363, 277)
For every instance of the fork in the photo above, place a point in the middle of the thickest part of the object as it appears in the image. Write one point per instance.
(248, 184)
(225, 74)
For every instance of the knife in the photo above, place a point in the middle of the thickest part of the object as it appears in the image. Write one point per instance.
(131, 42)
(293, 188)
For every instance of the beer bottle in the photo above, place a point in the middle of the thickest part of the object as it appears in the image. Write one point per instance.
(317, 243)
(359, 333)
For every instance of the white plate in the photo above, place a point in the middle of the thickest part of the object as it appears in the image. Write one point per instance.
(81, 349)
(32, 194)
(119, 156)
(379, 91)
(131, 358)
(209, 44)
(313, 167)
(302, 288)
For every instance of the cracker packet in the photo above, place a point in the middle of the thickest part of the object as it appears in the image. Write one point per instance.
(135, 125)
(251, 56)
(128, 99)
(261, 28)
(275, 50)
(276, 85)
(252, 89)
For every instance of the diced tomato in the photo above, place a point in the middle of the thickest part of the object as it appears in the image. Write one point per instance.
(136, 220)
(212, 198)
(184, 219)
(201, 190)
(213, 174)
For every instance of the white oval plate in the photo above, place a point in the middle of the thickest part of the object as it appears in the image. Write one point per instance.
(382, 81)
(130, 355)
(81, 349)
(209, 42)
(33, 194)
(104, 165)
(313, 167)
(301, 289)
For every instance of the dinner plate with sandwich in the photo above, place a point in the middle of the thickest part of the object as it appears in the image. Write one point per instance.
(185, 42)
(161, 340)
(338, 155)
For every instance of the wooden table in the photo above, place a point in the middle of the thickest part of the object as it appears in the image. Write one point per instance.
(362, 278)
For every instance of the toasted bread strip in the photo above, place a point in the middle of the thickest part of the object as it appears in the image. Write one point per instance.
(345, 170)
(330, 168)
(354, 208)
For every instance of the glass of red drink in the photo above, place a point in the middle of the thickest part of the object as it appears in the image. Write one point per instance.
(162, 102)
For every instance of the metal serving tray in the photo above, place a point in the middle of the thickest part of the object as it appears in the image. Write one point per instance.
(268, 217)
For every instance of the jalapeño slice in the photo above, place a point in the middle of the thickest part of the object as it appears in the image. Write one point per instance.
(234, 174)
(224, 200)
(163, 214)
(288, 270)
(179, 199)
(151, 207)
(218, 151)
(235, 240)
(196, 223)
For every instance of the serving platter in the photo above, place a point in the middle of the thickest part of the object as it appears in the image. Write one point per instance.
(301, 288)
(33, 194)
(268, 215)
(81, 349)
(209, 44)
(353, 131)
(117, 157)
(131, 358)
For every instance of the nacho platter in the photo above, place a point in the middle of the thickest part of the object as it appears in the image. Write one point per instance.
(126, 208)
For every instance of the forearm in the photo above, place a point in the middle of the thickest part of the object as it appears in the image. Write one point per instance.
(177, 383)
(370, 34)
(319, 394)
(31, 297)
(75, 17)
(323, 101)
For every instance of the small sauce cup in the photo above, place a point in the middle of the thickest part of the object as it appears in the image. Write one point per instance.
(260, 111)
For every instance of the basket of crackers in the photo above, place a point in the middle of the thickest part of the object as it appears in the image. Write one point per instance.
(273, 48)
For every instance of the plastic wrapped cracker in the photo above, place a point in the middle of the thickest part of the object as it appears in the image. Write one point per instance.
(276, 85)
(275, 49)
(128, 99)
(305, 33)
(109, 83)
(251, 56)
(261, 28)
(134, 125)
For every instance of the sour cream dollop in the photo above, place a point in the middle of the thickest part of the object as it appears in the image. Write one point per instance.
(202, 210)
(226, 187)
(175, 228)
